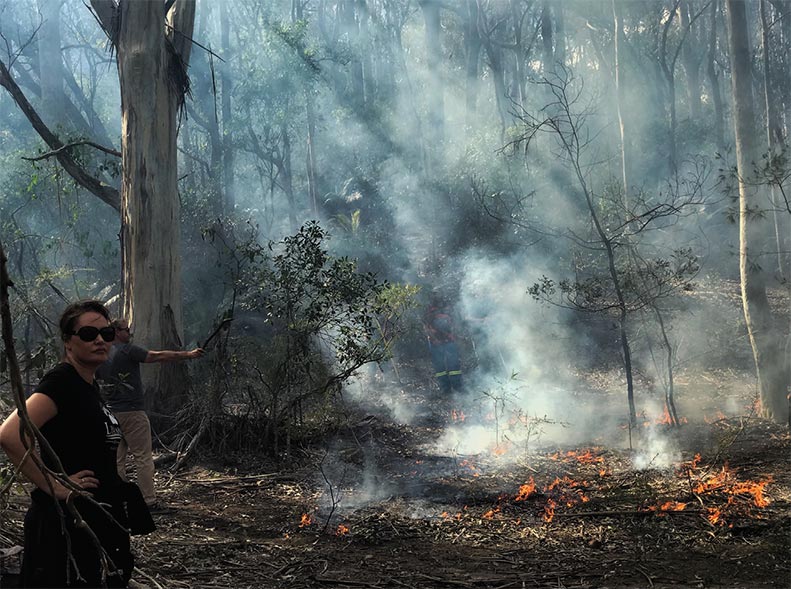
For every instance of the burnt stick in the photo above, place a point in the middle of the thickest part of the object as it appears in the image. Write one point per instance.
(216, 331)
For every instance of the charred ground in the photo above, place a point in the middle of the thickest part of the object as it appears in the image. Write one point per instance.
(378, 507)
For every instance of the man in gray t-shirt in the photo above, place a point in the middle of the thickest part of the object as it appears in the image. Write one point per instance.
(121, 373)
(124, 387)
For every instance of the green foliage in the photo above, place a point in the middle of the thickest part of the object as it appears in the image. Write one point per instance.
(771, 172)
(323, 321)
(314, 294)
(644, 282)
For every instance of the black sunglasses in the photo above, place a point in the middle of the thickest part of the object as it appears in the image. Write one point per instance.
(88, 333)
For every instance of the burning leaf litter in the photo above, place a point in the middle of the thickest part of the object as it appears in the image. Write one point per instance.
(722, 496)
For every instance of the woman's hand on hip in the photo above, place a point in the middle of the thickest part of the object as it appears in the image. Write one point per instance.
(84, 479)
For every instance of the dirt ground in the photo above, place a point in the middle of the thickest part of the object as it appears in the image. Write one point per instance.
(379, 507)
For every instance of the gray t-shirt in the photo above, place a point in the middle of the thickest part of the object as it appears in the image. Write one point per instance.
(121, 375)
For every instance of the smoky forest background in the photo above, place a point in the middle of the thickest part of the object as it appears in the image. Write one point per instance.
(598, 189)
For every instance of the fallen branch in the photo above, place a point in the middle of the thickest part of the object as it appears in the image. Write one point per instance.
(221, 480)
(148, 577)
(182, 456)
(344, 582)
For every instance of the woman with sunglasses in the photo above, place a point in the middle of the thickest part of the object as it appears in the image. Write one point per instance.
(67, 408)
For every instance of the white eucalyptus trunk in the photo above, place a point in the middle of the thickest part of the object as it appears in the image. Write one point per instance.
(152, 52)
(755, 255)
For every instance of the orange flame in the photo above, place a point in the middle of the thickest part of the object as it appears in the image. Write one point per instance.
(549, 510)
(719, 416)
(447, 517)
(754, 489)
(526, 490)
(469, 465)
(501, 449)
(490, 514)
(665, 419)
(668, 506)
(725, 483)
(457, 415)
(342, 530)
(306, 520)
(586, 457)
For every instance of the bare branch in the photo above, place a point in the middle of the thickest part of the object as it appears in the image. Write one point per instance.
(55, 152)
(106, 193)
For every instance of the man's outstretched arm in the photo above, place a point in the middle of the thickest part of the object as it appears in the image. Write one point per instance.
(172, 355)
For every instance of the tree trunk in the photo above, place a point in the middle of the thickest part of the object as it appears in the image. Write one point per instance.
(50, 63)
(435, 90)
(519, 58)
(714, 81)
(310, 139)
(689, 54)
(173, 382)
(472, 42)
(495, 55)
(546, 38)
(668, 69)
(560, 34)
(310, 153)
(783, 7)
(619, 97)
(229, 198)
(152, 72)
(288, 179)
(366, 59)
(764, 332)
(774, 138)
(349, 28)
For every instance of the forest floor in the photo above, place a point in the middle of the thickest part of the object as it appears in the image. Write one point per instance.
(382, 508)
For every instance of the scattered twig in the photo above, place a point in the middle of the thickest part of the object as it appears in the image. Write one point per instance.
(221, 480)
(646, 575)
(401, 583)
(630, 512)
(344, 582)
(148, 577)
(445, 581)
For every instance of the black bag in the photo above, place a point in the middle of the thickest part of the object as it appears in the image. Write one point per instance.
(138, 516)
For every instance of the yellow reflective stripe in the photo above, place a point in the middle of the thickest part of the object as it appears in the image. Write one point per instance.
(444, 373)
(454, 373)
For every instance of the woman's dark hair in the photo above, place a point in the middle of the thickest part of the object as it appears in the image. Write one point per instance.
(73, 312)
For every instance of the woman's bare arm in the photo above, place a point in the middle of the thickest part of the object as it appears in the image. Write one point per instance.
(40, 409)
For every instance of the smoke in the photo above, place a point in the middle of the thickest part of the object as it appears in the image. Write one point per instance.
(656, 451)
(525, 387)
